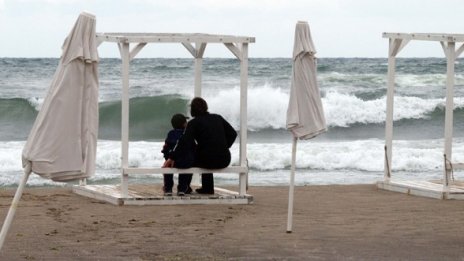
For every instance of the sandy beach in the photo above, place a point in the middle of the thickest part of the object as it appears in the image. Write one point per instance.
(336, 222)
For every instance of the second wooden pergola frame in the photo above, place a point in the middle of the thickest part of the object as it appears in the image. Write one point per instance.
(445, 190)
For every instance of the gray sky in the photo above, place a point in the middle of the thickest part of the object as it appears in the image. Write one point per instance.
(340, 28)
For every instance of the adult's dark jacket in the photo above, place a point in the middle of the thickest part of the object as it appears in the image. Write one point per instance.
(213, 136)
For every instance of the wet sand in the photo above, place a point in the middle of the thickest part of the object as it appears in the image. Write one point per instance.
(349, 222)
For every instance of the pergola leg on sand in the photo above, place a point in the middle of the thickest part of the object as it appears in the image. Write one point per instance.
(124, 194)
(445, 190)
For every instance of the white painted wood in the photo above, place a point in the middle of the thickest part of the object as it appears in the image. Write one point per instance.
(120, 48)
(136, 50)
(450, 58)
(456, 166)
(411, 189)
(171, 38)
(426, 37)
(125, 57)
(113, 195)
(200, 49)
(221, 190)
(190, 48)
(291, 188)
(397, 46)
(14, 205)
(198, 72)
(99, 41)
(459, 51)
(456, 196)
(83, 182)
(423, 189)
(243, 179)
(234, 49)
(188, 201)
(196, 52)
(103, 196)
(444, 47)
(393, 48)
(228, 170)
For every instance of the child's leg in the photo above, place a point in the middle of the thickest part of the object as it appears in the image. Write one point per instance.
(168, 182)
(184, 182)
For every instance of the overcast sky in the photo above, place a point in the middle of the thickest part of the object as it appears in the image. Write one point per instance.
(340, 28)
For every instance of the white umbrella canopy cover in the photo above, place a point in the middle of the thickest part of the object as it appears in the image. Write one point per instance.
(62, 143)
(305, 114)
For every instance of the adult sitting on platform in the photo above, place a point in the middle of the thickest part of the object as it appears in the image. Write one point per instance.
(213, 136)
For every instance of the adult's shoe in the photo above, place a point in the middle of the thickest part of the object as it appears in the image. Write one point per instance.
(204, 191)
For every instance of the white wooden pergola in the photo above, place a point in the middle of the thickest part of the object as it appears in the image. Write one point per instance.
(130, 44)
(453, 46)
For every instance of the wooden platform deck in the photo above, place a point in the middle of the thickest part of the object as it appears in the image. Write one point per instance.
(152, 194)
(431, 189)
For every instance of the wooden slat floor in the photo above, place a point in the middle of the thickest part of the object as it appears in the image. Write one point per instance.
(432, 188)
(152, 194)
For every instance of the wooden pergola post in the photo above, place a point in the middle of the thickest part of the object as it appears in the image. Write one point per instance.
(243, 177)
(125, 57)
(449, 49)
(395, 46)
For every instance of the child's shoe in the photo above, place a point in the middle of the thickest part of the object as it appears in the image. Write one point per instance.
(167, 192)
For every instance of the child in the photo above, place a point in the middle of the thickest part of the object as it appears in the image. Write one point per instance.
(179, 123)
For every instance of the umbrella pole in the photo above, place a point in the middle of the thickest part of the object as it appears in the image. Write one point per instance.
(291, 188)
(14, 204)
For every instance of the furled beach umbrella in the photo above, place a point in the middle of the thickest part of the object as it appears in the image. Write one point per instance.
(305, 115)
(62, 143)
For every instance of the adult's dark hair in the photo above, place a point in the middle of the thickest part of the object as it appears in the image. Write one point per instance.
(198, 107)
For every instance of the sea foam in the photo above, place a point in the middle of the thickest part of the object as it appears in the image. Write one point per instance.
(340, 156)
(267, 108)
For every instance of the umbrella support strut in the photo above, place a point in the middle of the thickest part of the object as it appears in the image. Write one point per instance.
(291, 188)
(14, 205)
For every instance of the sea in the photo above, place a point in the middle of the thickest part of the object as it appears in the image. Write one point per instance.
(353, 95)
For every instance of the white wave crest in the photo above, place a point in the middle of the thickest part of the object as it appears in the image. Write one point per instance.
(267, 107)
(343, 110)
(402, 80)
(36, 102)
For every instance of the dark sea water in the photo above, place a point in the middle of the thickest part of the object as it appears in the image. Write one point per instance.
(353, 91)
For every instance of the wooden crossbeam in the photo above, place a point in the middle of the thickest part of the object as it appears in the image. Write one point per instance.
(200, 49)
(232, 169)
(195, 52)
(120, 48)
(190, 48)
(99, 41)
(172, 38)
(136, 50)
(454, 166)
(444, 46)
(234, 49)
(459, 51)
(397, 45)
(426, 37)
